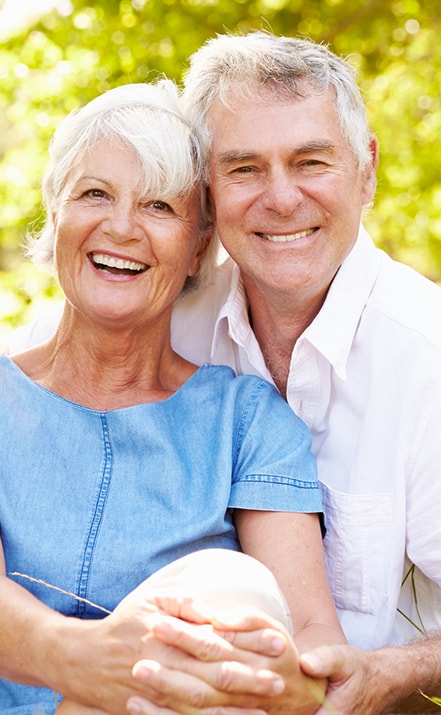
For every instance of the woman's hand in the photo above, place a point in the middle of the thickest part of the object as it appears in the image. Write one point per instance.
(209, 655)
(249, 661)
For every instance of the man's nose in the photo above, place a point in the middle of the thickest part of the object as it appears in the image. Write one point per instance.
(282, 192)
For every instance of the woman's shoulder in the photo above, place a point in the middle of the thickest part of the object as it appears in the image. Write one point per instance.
(224, 384)
(8, 370)
(16, 385)
(225, 374)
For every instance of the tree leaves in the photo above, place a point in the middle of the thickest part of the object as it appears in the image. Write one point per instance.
(74, 53)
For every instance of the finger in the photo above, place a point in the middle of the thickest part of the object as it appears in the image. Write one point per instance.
(137, 706)
(209, 684)
(185, 608)
(264, 641)
(245, 618)
(199, 641)
(205, 644)
(326, 662)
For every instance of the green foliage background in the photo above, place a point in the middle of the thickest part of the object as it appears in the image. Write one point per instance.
(84, 48)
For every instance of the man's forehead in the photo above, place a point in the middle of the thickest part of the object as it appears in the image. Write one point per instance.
(239, 96)
(295, 125)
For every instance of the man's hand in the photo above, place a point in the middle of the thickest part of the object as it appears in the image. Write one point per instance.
(352, 688)
(387, 680)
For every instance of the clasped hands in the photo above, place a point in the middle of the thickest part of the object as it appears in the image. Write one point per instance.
(168, 655)
(236, 662)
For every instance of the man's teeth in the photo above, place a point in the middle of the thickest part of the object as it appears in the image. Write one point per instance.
(285, 238)
(119, 263)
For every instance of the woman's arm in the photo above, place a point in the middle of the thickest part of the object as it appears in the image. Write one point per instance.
(89, 661)
(290, 545)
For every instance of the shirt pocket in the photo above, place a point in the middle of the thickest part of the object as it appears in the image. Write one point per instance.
(357, 542)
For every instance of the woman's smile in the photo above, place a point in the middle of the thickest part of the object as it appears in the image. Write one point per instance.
(116, 266)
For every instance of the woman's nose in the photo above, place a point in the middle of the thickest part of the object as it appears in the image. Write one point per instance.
(122, 223)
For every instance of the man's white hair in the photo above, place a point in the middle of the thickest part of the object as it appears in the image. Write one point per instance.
(262, 65)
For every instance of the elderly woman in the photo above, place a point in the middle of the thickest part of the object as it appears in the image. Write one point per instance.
(118, 456)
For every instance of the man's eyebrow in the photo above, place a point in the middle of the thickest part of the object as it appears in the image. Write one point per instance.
(231, 157)
(317, 145)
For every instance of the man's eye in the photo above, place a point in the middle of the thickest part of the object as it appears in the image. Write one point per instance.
(244, 169)
(314, 162)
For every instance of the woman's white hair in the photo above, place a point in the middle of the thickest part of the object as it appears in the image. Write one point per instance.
(148, 120)
(259, 64)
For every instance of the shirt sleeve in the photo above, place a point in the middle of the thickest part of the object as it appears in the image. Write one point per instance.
(273, 467)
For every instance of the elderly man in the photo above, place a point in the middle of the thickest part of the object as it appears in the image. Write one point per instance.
(351, 339)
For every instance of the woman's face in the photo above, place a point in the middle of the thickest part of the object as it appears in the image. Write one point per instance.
(122, 257)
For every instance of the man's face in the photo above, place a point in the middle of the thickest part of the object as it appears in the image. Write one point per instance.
(288, 192)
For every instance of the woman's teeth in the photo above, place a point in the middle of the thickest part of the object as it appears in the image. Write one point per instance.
(101, 260)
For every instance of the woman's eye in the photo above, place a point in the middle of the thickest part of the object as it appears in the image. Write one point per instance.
(95, 193)
(160, 205)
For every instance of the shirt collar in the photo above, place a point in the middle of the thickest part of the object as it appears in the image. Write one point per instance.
(333, 330)
(233, 315)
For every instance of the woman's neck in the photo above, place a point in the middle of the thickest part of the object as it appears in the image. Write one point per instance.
(107, 369)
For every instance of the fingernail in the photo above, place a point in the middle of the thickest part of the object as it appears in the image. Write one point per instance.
(312, 660)
(278, 686)
(134, 707)
(144, 668)
(277, 645)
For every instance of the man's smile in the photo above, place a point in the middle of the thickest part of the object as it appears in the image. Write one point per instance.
(287, 237)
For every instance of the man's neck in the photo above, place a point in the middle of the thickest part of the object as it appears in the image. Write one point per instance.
(277, 327)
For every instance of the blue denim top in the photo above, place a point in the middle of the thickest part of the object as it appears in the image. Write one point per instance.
(94, 502)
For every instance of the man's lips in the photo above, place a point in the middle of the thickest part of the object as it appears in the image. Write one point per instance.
(112, 264)
(286, 237)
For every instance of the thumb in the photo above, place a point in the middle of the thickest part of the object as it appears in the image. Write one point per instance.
(325, 662)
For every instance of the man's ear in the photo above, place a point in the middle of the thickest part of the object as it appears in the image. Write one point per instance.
(207, 231)
(204, 242)
(370, 172)
(210, 207)
(210, 213)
